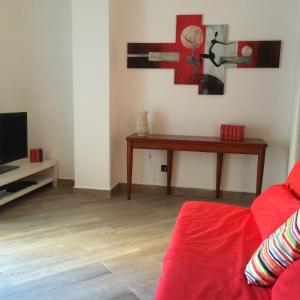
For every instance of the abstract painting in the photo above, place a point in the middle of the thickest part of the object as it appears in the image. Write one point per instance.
(202, 53)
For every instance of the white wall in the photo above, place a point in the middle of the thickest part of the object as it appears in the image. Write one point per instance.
(295, 125)
(36, 73)
(11, 57)
(48, 80)
(260, 99)
(91, 93)
(115, 151)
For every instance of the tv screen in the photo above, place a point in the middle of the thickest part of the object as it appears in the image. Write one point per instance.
(13, 136)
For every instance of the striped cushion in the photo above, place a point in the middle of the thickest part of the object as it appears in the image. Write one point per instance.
(275, 253)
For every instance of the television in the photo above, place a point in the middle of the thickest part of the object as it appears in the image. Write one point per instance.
(13, 139)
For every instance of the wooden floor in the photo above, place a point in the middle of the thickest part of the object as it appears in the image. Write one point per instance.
(55, 244)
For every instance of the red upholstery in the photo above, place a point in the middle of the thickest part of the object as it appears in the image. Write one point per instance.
(212, 244)
(287, 286)
(293, 180)
(209, 250)
(273, 207)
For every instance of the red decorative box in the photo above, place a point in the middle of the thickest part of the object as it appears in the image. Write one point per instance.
(232, 132)
(36, 155)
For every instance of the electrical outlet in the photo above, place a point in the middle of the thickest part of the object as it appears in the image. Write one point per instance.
(164, 168)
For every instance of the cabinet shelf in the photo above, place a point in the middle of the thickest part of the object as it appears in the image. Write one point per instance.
(43, 173)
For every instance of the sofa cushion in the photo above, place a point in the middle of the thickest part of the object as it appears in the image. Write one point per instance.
(208, 252)
(293, 180)
(275, 253)
(273, 207)
(287, 286)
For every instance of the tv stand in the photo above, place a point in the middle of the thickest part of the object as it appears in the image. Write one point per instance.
(7, 168)
(42, 173)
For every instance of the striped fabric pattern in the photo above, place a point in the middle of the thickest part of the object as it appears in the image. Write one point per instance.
(275, 253)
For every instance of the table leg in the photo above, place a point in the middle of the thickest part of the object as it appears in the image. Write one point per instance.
(260, 171)
(219, 173)
(129, 168)
(170, 166)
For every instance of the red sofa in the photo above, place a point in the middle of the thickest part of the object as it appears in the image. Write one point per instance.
(212, 244)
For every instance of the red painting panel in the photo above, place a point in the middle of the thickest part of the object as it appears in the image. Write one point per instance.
(201, 54)
(264, 54)
(190, 35)
(137, 61)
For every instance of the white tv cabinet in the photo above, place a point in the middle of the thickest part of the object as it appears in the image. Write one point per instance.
(43, 173)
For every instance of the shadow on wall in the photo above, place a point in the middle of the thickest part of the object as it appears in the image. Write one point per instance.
(158, 123)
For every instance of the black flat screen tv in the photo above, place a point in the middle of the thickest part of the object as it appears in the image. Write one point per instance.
(13, 137)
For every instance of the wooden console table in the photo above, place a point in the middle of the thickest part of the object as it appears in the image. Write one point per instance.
(172, 143)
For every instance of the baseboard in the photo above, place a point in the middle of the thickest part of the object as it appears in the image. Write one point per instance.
(157, 189)
(117, 189)
(103, 194)
(196, 192)
(65, 183)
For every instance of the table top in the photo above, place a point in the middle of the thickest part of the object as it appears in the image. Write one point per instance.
(195, 139)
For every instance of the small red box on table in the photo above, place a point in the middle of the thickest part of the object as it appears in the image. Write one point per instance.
(232, 132)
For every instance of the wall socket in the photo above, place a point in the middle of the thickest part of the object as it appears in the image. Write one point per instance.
(164, 168)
